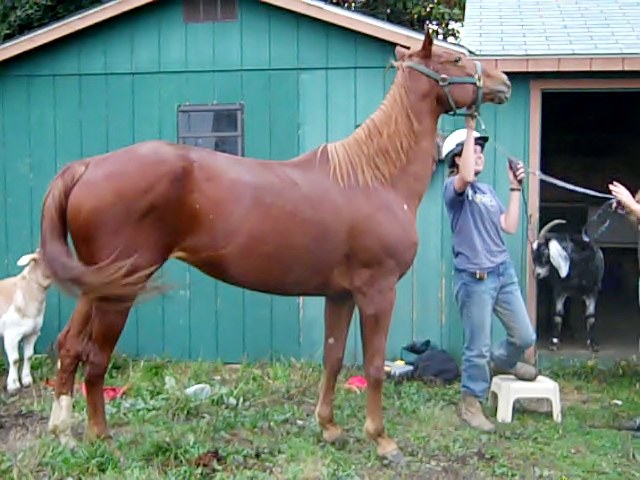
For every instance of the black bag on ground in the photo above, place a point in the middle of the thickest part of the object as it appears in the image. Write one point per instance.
(435, 366)
(432, 365)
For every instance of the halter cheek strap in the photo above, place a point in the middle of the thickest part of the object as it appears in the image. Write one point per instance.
(445, 82)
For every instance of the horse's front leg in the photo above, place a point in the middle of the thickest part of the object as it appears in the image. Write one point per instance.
(376, 306)
(337, 314)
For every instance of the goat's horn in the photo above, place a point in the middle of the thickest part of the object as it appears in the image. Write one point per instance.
(548, 227)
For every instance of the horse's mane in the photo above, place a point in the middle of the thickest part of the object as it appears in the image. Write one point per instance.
(378, 147)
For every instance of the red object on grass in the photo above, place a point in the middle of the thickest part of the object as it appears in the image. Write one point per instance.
(356, 383)
(109, 392)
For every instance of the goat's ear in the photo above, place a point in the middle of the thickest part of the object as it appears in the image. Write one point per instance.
(559, 258)
(25, 259)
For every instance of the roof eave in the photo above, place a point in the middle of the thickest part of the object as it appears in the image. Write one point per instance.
(313, 8)
(68, 26)
(561, 63)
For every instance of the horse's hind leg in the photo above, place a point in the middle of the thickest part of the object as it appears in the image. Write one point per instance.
(106, 327)
(338, 314)
(70, 345)
(376, 306)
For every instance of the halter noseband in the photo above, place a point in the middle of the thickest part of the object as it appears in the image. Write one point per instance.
(445, 82)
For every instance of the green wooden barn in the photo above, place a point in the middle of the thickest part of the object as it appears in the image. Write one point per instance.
(268, 79)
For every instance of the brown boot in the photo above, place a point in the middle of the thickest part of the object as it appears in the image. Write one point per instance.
(471, 412)
(522, 371)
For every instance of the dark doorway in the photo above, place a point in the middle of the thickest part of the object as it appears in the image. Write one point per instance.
(590, 138)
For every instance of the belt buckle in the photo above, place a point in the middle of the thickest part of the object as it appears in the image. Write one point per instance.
(481, 275)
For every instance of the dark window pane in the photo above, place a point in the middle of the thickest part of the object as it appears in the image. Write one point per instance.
(200, 122)
(192, 10)
(183, 123)
(205, 142)
(222, 144)
(210, 10)
(228, 10)
(228, 145)
(225, 121)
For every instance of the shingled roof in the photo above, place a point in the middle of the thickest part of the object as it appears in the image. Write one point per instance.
(552, 28)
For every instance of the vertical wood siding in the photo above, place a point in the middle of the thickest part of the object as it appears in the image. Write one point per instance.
(302, 82)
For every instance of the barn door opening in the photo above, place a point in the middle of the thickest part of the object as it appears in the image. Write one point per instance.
(589, 137)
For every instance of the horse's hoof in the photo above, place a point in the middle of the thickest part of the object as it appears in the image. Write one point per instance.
(26, 381)
(339, 442)
(332, 434)
(93, 436)
(13, 392)
(13, 387)
(395, 457)
(67, 440)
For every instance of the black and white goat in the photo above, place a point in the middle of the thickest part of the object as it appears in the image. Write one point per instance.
(574, 267)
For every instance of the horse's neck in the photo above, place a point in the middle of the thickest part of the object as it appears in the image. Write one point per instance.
(413, 178)
(395, 146)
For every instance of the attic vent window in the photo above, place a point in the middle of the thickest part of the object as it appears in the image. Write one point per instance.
(198, 11)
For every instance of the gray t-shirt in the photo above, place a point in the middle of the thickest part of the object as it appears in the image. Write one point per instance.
(475, 224)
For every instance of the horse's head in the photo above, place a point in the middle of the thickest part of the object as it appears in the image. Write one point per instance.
(460, 82)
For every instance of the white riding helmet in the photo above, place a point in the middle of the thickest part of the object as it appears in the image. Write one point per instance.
(453, 144)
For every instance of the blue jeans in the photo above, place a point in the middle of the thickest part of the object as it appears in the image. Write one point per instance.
(477, 299)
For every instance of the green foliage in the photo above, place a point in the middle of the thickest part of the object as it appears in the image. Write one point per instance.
(18, 17)
(443, 17)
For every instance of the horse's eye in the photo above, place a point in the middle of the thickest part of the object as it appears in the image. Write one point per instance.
(458, 60)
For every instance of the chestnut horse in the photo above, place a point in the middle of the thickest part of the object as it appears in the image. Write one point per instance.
(338, 221)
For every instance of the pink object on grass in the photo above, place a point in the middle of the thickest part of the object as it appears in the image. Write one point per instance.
(356, 383)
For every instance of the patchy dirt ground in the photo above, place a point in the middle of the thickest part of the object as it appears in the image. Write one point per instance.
(19, 428)
(258, 422)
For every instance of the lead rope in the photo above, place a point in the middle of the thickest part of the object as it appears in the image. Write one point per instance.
(610, 204)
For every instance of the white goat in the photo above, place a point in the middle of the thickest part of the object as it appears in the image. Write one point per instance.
(22, 305)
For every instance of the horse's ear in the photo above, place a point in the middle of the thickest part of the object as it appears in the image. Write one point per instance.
(401, 52)
(427, 44)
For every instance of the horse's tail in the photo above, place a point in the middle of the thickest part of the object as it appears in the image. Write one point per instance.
(107, 281)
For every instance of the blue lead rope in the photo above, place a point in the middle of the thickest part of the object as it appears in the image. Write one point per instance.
(570, 186)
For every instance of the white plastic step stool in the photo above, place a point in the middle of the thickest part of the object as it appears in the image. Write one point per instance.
(507, 389)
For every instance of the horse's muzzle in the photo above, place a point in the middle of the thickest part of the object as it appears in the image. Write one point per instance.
(500, 93)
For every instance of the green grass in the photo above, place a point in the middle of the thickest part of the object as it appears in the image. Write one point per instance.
(259, 418)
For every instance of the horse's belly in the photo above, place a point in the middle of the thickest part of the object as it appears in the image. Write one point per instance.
(286, 272)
